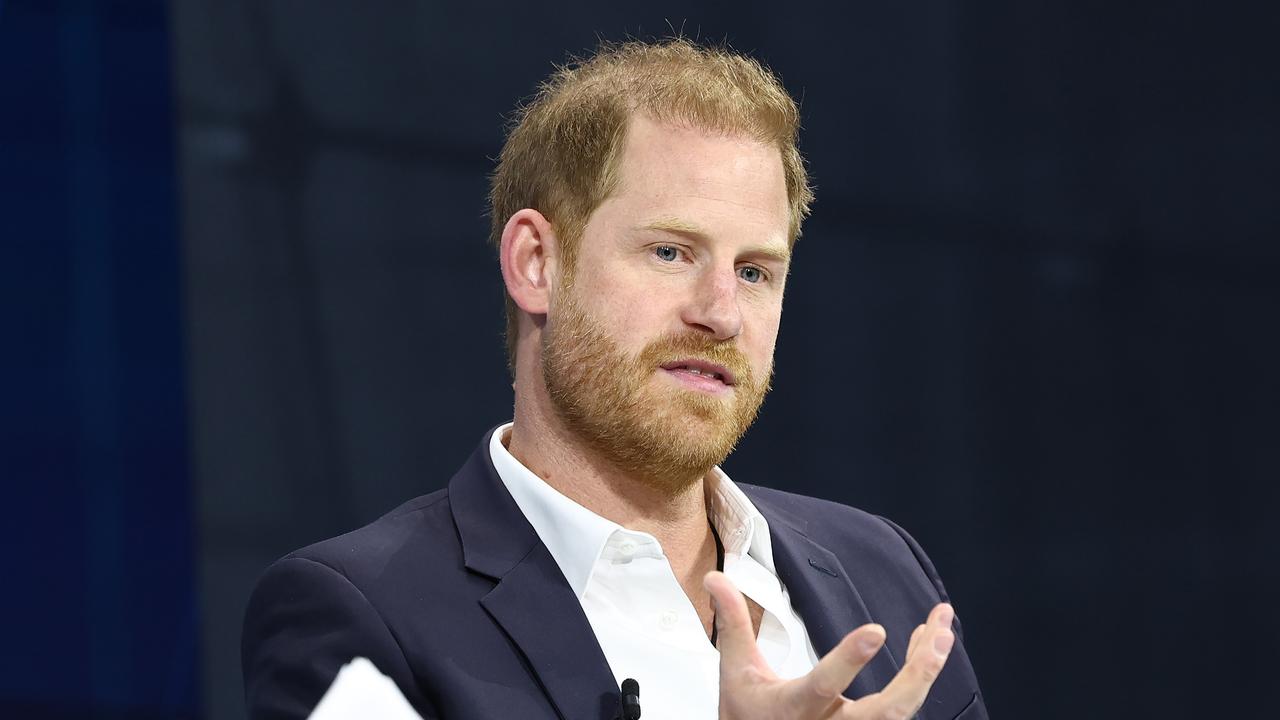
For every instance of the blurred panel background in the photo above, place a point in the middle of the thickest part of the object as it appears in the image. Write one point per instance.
(98, 527)
(1033, 317)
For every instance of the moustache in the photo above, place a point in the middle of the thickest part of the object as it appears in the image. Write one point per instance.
(686, 346)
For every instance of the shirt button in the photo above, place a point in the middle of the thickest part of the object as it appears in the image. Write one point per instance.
(627, 548)
(668, 619)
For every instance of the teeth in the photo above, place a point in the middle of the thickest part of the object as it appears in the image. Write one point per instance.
(708, 373)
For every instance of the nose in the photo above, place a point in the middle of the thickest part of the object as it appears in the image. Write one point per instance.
(714, 305)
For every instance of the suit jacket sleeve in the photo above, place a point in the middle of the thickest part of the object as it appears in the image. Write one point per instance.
(306, 620)
(977, 708)
(925, 563)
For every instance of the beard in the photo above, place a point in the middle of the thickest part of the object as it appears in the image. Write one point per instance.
(664, 435)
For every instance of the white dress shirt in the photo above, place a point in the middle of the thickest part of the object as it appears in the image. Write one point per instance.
(644, 622)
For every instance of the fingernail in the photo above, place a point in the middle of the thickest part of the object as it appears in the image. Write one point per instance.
(945, 617)
(942, 644)
(868, 645)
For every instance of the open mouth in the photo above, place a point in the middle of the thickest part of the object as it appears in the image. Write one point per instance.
(700, 371)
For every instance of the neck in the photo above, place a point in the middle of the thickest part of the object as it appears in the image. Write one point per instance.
(549, 449)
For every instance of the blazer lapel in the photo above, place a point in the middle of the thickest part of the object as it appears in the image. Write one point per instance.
(539, 611)
(824, 596)
(532, 602)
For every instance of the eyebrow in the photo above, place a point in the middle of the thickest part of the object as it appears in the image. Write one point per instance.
(680, 226)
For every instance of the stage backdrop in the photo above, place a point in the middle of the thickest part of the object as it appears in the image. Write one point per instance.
(98, 603)
(1032, 319)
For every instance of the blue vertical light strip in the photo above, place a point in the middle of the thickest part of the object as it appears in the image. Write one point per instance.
(94, 343)
(101, 615)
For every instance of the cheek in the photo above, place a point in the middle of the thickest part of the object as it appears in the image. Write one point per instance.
(763, 339)
(642, 318)
(633, 307)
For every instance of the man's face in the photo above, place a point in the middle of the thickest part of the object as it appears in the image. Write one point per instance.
(658, 350)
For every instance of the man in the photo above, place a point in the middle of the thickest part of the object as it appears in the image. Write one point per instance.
(645, 207)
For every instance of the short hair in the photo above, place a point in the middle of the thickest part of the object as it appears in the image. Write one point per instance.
(563, 146)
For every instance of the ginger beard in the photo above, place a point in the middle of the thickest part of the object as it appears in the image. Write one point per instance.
(664, 435)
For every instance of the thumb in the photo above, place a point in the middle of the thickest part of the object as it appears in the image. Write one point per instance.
(735, 636)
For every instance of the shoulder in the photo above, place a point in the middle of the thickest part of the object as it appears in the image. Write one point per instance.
(859, 538)
(421, 528)
(315, 609)
(821, 519)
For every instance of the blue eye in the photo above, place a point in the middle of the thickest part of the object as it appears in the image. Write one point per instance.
(750, 274)
(667, 253)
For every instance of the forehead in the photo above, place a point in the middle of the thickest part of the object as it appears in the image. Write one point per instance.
(677, 171)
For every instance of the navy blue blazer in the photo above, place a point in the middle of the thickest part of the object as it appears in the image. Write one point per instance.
(455, 598)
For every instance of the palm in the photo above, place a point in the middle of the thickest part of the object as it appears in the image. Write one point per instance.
(749, 689)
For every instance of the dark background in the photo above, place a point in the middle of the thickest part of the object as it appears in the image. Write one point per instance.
(1033, 317)
(98, 597)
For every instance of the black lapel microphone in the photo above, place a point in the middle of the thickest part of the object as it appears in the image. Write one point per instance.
(630, 709)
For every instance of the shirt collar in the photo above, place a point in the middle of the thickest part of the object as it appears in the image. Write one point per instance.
(743, 530)
(576, 537)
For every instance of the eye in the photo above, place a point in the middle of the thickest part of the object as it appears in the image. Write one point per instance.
(667, 253)
(751, 274)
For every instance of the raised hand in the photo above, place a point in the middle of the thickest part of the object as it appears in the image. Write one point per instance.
(749, 690)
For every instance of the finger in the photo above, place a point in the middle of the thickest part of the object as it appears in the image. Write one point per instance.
(815, 692)
(915, 640)
(904, 695)
(735, 635)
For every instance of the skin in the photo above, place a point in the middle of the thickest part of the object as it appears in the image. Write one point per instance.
(694, 240)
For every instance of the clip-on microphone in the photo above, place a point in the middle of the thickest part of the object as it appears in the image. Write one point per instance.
(630, 706)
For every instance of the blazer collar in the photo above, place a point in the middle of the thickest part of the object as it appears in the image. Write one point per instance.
(531, 600)
(822, 593)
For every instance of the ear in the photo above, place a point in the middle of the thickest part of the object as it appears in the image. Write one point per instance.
(527, 256)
